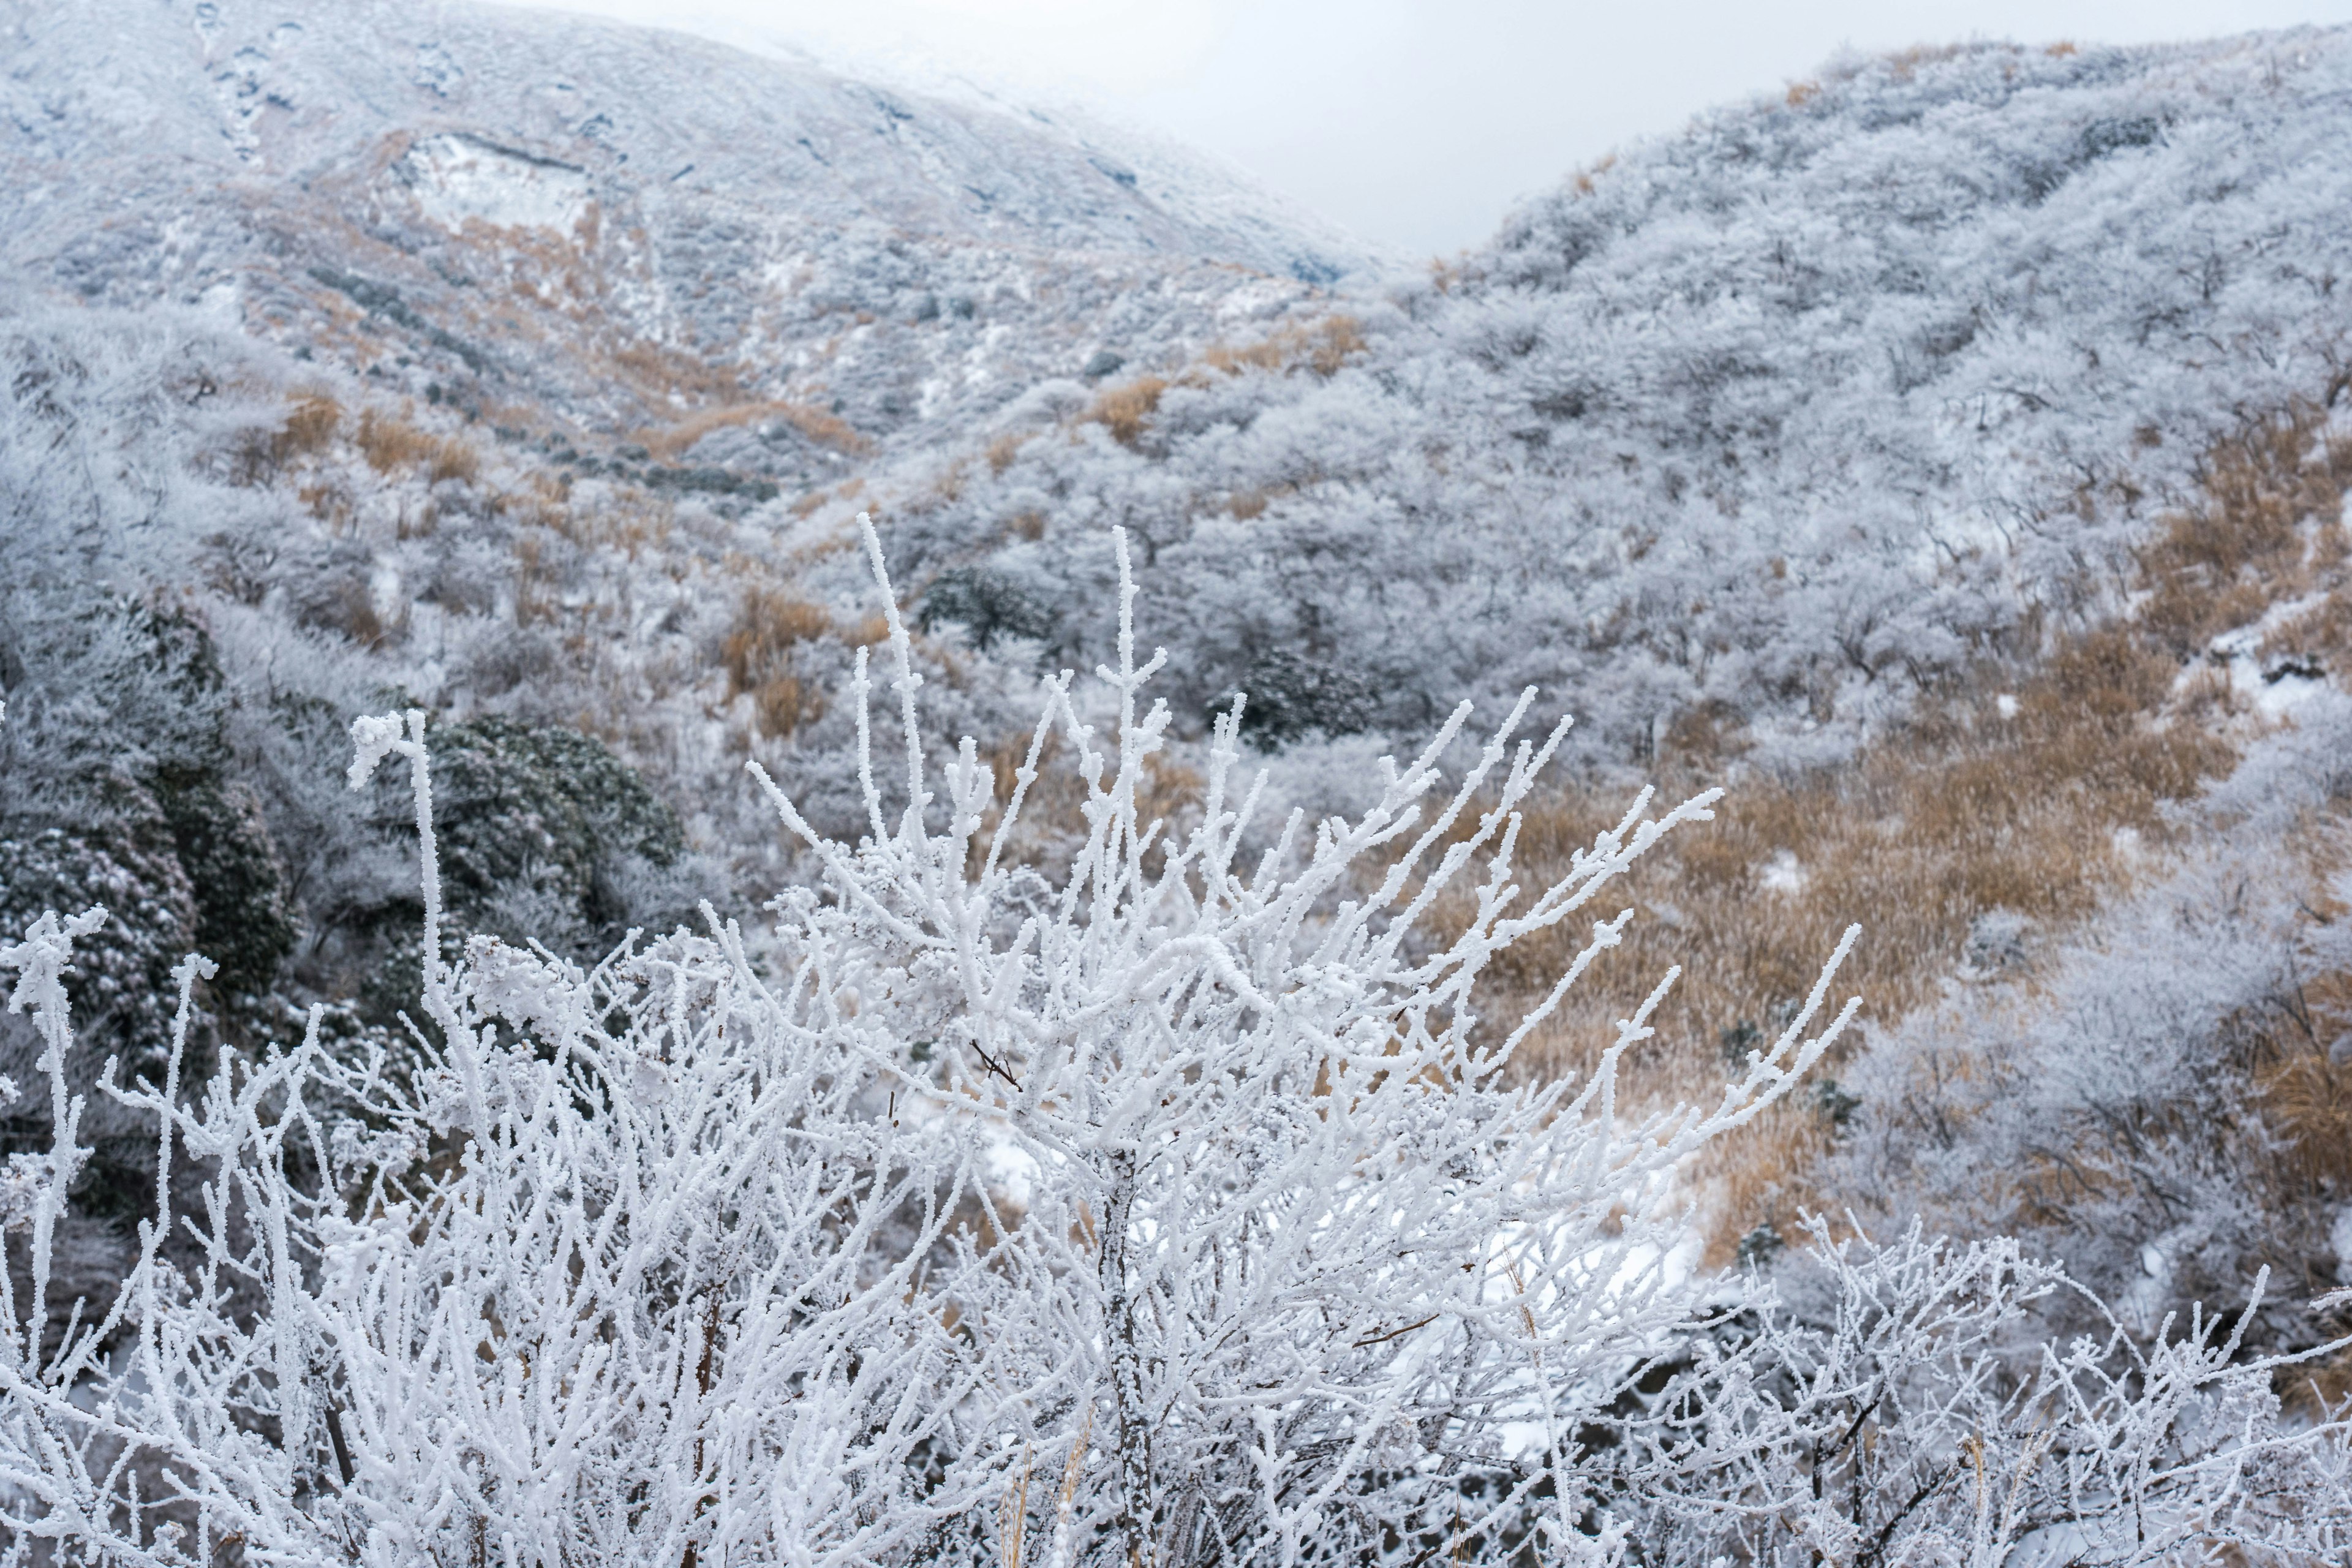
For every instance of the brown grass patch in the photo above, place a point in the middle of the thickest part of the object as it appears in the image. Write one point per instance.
(669, 442)
(759, 658)
(388, 443)
(1903, 64)
(533, 577)
(1966, 814)
(2030, 792)
(1124, 411)
(665, 379)
(309, 425)
(1004, 448)
(2265, 524)
(1322, 347)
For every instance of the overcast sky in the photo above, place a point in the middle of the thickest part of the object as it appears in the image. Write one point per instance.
(1416, 123)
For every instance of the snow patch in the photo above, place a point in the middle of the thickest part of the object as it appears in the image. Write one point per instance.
(457, 179)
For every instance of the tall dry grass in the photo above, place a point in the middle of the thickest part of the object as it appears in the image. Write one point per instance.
(669, 442)
(390, 442)
(1321, 347)
(1126, 409)
(761, 654)
(2034, 788)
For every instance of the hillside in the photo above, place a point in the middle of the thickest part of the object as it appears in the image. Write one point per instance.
(1947, 452)
(593, 232)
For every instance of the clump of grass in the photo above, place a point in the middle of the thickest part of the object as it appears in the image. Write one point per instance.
(1903, 64)
(309, 425)
(671, 441)
(1582, 181)
(2264, 531)
(1322, 347)
(1126, 410)
(762, 653)
(1004, 448)
(389, 443)
(758, 656)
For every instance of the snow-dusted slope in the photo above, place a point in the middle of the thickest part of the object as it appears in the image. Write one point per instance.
(1785, 418)
(1916, 439)
(607, 227)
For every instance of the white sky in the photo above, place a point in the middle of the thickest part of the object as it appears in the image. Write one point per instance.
(1416, 123)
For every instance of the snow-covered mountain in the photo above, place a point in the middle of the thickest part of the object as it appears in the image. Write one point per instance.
(597, 228)
(1952, 449)
(1787, 416)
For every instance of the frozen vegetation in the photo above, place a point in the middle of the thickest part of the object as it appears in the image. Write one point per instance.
(1231, 1119)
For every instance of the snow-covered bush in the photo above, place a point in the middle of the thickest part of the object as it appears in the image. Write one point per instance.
(674, 1255)
(1146, 1207)
(1902, 1408)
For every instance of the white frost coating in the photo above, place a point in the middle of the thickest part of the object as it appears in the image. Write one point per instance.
(686, 1259)
(459, 179)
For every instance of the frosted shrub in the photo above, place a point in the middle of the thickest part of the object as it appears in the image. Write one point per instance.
(628, 1272)
(1905, 1410)
(1160, 1210)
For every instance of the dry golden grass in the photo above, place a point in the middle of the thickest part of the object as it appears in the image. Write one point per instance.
(2263, 533)
(351, 611)
(665, 382)
(388, 442)
(1582, 181)
(1004, 448)
(1322, 346)
(532, 578)
(2041, 805)
(669, 442)
(309, 425)
(1967, 813)
(1125, 410)
(760, 655)
(1905, 63)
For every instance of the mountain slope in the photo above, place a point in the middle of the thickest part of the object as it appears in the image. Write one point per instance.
(1951, 453)
(595, 228)
(1782, 419)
